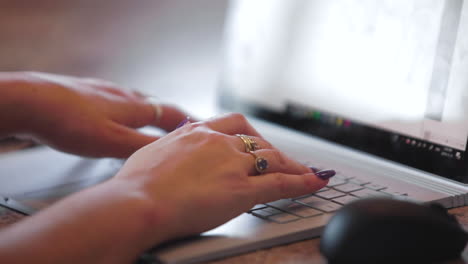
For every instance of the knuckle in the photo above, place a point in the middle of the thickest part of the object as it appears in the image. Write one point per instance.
(204, 135)
(280, 160)
(191, 134)
(239, 118)
(211, 138)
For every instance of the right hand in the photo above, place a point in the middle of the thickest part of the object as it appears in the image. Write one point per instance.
(199, 176)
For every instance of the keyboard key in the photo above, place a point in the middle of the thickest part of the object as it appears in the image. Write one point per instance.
(323, 189)
(274, 215)
(348, 187)
(320, 204)
(266, 212)
(368, 193)
(295, 208)
(394, 192)
(330, 194)
(335, 181)
(342, 176)
(345, 199)
(283, 218)
(375, 186)
(258, 206)
(359, 181)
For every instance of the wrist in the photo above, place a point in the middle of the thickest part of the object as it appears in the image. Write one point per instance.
(145, 221)
(109, 223)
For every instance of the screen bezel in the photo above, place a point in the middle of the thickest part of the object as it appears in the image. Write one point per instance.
(362, 137)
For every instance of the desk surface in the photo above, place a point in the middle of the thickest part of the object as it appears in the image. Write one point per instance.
(296, 253)
(139, 44)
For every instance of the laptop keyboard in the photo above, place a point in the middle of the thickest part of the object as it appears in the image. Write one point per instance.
(339, 191)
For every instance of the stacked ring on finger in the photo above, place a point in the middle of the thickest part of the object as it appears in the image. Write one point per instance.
(249, 142)
(261, 164)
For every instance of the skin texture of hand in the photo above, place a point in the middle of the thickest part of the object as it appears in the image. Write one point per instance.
(200, 176)
(189, 181)
(83, 116)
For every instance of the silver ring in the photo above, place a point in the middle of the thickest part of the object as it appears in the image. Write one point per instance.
(158, 110)
(261, 164)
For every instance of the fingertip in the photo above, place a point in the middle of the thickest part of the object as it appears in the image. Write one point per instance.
(325, 174)
(313, 183)
(171, 117)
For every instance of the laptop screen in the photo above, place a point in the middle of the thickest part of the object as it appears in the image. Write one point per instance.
(385, 77)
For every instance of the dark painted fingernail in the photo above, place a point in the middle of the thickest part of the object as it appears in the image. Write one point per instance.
(325, 174)
(314, 169)
(185, 121)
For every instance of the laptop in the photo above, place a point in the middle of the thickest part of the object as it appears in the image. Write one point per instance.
(374, 90)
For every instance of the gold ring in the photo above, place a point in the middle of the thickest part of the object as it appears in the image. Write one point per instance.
(249, 142)
(261, 164)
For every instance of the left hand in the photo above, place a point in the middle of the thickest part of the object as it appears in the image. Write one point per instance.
(88, 117)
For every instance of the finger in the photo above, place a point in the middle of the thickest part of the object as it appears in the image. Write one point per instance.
(120, 141)
(130, 112)
(170, 117)
(232, 124)
(275, 186)
(165, 116)
(277, 162)
(136, 113)
(137, 110)
(105, 139)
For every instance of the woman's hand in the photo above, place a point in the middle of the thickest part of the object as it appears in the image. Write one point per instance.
(87, 117)
(189, 181)
(200, 176)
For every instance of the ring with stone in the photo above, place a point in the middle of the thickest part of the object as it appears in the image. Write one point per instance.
(261, 164)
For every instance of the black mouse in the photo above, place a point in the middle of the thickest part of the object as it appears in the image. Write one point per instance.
(384, 230)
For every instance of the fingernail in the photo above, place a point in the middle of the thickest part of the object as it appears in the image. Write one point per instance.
(325, 174)
(185, 121)
(314, 169)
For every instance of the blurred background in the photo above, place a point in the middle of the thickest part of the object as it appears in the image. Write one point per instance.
(168, 48)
